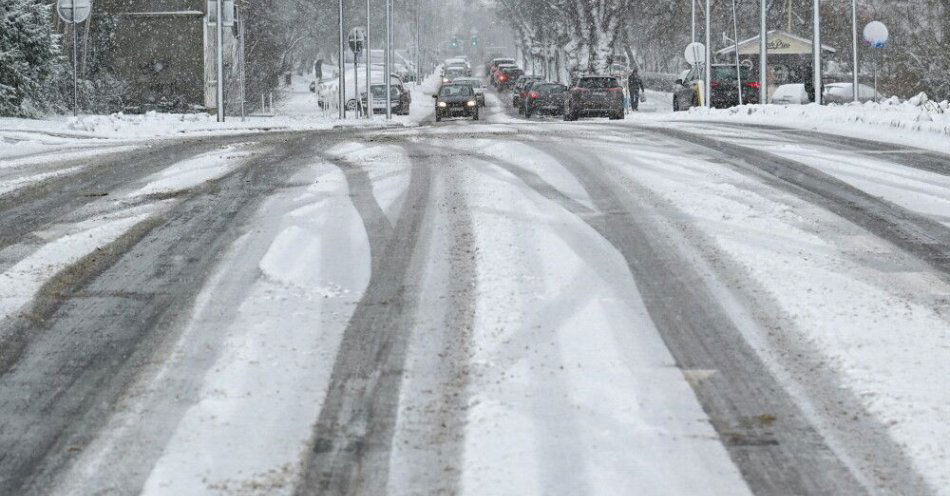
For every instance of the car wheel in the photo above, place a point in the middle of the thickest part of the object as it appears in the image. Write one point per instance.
(475, 116)
(616, 116)
(438, 117)
(676, 105)
(528, 111)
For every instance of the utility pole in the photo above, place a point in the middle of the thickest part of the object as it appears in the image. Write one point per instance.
(693, 24)
(707, 84)
(240, 21)
(369, 69)
(763, 53)
(76, 60)
(735, 36)
(389, 48)
(854, 48)
(341, 87)
(219, 28)
(816, 49)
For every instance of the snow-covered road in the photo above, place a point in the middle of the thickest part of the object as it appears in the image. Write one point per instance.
(481, 308)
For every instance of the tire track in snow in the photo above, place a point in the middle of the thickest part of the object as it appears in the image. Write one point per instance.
(57, 396)
(352, 438)
(920, 236)
(765, 432)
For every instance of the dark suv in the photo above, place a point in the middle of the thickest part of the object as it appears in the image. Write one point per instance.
(725, 89)
(545, 98)
(594, 96)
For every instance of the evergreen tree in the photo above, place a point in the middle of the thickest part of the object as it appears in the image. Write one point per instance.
(29, 56)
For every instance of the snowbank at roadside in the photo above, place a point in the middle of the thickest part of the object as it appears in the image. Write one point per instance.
(918, 121)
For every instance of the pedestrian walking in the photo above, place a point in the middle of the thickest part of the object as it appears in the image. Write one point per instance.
(635, 88)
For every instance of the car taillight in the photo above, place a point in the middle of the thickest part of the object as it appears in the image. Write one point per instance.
(502, 78)
(534, 94)
(616, 90)
(714, 84)
(753, 84)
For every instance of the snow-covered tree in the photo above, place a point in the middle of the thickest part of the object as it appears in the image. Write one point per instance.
(29, 55)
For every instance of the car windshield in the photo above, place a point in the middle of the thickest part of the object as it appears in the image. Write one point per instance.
(379, 91)
(473, 83)
(456, 90)
(549, 89)
(598, 83)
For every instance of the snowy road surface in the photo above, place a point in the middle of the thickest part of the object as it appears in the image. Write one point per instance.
(499, 307)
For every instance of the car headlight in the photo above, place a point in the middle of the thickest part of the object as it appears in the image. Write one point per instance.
(471, 103)
(443, 104)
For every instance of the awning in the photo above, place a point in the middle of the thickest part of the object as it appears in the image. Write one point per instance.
(779, 43)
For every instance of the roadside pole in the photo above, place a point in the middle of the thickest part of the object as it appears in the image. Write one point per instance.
(693, 23)
(735, 35)
(240, 21)
(74, 12)
(368, 111)
(76, 61)
(707, 83)
(341, 72)
(854, 49)
(388, 63)
(219, 63)
(763, 53)
(816, 49)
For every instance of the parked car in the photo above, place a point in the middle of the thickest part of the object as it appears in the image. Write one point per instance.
(594, 96)
(545, 97)
(379, 99)
(844, 93)
(520, 89)
(790, 94)
(454, 100)
(688, 90)
(507, 75)
(477, 87)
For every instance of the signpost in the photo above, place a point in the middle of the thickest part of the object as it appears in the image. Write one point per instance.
(368, 50)
(387, 72)
(876, 35)
(707, 59)
(73, 12)
(341, 86)
(221, 15)
(816, 49)
(357, 40)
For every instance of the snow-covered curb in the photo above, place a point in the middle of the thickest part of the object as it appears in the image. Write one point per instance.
(916, 122)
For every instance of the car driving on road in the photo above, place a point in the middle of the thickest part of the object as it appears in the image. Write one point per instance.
(477, 87)
(520, 89)
(506, 76)
(592, 96)
(545, 97)
(455, 100)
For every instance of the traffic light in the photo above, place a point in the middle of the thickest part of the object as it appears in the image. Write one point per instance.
(474, 41)
(455, 43)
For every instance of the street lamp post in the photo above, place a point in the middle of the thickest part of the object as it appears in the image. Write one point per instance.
(219, 96)
(368, 111)
(693, 23)
(389, 47)
(707, 83)
(341, 86)
(816, 49)
(763, 53)
(854, 48)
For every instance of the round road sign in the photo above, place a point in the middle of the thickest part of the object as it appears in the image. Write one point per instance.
(74, 10)
(695, 53)
(875, 33)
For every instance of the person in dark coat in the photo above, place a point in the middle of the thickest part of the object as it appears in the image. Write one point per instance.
(635, 87)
